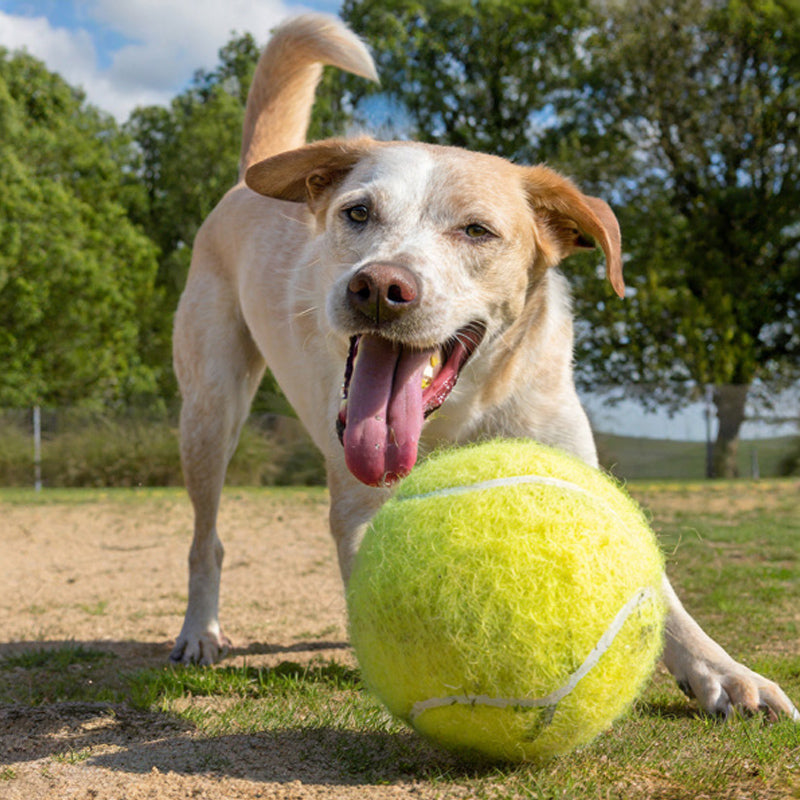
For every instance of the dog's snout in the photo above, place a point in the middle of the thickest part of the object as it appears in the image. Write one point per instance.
(383, 292)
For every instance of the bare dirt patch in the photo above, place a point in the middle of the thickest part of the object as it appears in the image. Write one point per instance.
(115, 572)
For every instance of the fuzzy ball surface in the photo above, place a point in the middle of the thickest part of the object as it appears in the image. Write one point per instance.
(506, 602)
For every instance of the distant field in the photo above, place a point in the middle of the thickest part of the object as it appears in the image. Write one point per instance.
(653, 459)
(106, 452)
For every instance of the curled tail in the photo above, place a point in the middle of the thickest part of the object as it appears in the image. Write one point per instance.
(282, 93)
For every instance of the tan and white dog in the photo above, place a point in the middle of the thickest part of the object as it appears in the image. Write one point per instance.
(371, 277)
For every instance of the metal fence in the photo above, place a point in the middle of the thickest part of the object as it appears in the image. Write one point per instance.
(71, 447)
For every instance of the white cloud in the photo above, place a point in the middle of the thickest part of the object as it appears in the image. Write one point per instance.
(63, 49)
(173, 39)
(166, 41)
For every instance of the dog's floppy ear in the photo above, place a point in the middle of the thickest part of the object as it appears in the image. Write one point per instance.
(303, 175)
(572, 217)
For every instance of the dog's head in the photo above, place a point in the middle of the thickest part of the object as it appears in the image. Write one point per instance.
(432, 251)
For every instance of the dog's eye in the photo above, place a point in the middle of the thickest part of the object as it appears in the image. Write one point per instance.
(358, 214)
(476, 231)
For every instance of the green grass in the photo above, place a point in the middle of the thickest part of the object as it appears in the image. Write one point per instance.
(152, 496)
(70, 756)
(54, 659)
(39, 677)
(97, 451)
(733, 550)
(89, 450)
(664, 459)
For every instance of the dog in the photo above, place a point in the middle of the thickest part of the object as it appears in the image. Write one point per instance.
(404, 295)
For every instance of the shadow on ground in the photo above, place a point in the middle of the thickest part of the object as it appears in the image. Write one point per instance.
(72, 702)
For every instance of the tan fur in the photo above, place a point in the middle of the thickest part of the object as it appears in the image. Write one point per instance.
(286, 77)
(271, 282)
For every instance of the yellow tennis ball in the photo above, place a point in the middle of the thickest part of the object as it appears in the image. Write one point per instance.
(506, 602)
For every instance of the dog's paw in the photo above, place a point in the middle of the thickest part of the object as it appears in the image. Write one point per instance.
(730, 689)
(204, 649)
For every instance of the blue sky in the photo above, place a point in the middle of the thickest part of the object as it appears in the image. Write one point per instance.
(126, 53)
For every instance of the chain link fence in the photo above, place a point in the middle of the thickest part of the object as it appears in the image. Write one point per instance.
(71, 447)
(678, 443)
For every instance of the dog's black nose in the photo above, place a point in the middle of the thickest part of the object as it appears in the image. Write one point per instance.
(383, 291)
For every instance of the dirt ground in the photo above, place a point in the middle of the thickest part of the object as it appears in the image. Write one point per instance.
(113, 575)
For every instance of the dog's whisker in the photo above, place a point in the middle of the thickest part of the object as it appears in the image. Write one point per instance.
(296, 221)
(305, 291)
(308, 341)
(305, 312)
(503, 337)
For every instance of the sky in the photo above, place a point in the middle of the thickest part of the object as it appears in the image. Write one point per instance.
(129, 53)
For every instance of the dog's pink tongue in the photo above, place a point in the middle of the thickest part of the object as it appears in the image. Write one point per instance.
(384, 411)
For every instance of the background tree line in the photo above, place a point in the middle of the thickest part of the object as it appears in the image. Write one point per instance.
(684, 114)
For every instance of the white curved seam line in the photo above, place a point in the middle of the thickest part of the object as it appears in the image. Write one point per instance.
(603, 643)
(514, 480)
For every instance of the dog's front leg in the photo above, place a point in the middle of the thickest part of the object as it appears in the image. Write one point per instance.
(352, 507)
(218, 369)
(201, 640)
(705, 671)
(206, 444)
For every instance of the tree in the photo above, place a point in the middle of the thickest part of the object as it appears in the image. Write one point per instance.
(188, 157)
(478, 74)
(74, 272)
(695, 106)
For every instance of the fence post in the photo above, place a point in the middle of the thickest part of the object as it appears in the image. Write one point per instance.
(37, 448)
(709, 412)
(755, 469)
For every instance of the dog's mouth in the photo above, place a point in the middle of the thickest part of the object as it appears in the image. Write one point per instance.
(389, 390)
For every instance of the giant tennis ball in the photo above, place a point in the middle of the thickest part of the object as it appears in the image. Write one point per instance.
(506, 602)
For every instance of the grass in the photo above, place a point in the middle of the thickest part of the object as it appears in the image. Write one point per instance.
(70, 756)
(664, 459)
(90, 450)
(151, 496)
(734, 552)
(40, 677)
(56, 660)
(84, 450)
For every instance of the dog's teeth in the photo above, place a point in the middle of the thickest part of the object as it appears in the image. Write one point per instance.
(429, 372)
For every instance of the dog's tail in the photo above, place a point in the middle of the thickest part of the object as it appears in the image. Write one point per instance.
(282, 93)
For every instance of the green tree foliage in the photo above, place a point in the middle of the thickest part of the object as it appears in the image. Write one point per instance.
(696, 105)
(189, 155)
(472, 73)
(187, 158)
(75, 273)
(685, 114)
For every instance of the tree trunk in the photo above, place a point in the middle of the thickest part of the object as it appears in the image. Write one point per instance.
(730, 402)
